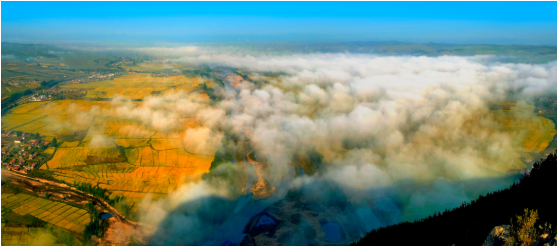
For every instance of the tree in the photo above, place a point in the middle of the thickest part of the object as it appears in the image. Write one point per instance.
(54, 142)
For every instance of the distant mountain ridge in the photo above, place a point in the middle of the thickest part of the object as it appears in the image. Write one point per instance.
(29, 50)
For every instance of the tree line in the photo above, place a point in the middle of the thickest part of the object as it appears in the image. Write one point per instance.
(471, 223)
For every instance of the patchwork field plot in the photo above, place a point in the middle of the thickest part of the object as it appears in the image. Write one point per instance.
(55, 213)
(68, 157)
(133, 182)
(137, 86)
(133, 160)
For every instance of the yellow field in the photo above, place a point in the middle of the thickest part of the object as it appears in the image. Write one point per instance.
(69, 144)
(21, 235)
(134, 133)
(126, 143)
(148, 157)
(52, 118)
(24, 108)
(125, 130)
(530, 132)
(148, 171)
(134, 182)
(50, 150)
(58, 214)
(147, 161)
(67, 157)
(166, 143)
(13, 121)
(75, 156)
(137, 86)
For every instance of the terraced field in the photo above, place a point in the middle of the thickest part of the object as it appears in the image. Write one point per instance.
(55, 213)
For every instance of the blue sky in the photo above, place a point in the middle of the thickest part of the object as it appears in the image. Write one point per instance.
(531, 23)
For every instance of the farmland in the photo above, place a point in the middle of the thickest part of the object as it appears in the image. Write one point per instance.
(138, 86)
(21, 235)
(531, 132)
(53, 118)
(55, 213)
(159, 167)
(32, 220)
(149, 66)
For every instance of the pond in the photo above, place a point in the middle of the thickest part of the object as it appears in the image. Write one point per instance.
(105, 216)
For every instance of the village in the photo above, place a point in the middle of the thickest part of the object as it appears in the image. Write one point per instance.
(23, 152)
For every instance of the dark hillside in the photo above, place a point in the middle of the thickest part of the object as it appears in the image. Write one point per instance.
(471, 223)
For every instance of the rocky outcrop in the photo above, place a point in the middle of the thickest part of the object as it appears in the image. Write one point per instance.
(498, 236)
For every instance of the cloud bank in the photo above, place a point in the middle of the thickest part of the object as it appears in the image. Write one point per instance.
(416, 132)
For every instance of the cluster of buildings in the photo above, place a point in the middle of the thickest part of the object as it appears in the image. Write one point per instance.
(101, 76)
(11, 134)
(21, 155)
(39, 98)
(22, 168)
(93, 78)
